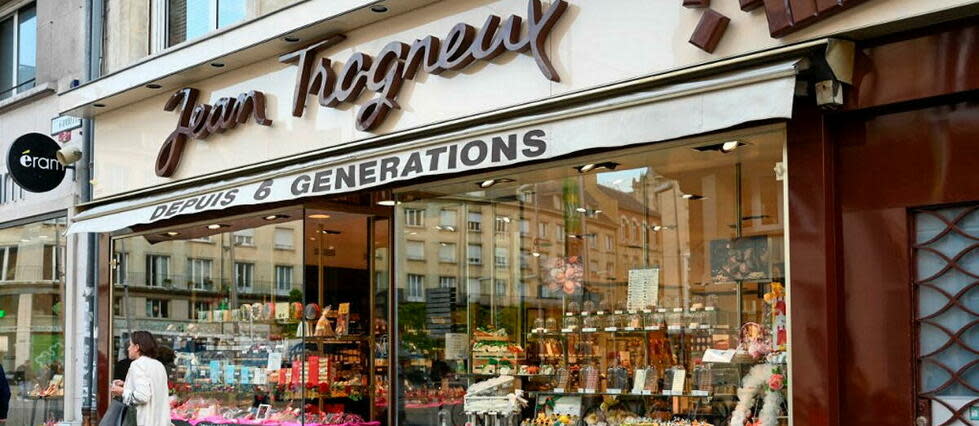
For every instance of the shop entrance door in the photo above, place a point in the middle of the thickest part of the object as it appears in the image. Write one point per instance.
(946, 292)
(347, 264)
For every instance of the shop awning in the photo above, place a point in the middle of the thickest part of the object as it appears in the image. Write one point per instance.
(658, 114)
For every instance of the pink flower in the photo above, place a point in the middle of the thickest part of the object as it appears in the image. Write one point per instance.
(776, 382)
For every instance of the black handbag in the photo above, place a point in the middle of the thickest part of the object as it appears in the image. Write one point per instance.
(117, 414)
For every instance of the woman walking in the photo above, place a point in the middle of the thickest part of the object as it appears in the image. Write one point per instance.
(146, 382)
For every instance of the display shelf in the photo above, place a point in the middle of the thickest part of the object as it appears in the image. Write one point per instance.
(630, 394)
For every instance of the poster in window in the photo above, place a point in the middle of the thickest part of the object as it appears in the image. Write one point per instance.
(740, 259)
(564, 274)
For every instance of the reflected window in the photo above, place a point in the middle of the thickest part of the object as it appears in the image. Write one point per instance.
(120, 269)
(157, 271)
(199, 274)
(502, 224)
(244, 274)
(447, 252)
(475, 221)
(283, 278)
(157, 308)
(415, 250)
(447, 282)
(245, 238)
(9, 257)
(447, 219)
(414, 217)
(283, 239)
(475, 254)
(415, 289)
(502, 257)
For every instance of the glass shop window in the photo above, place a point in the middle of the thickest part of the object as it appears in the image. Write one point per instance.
(606, 318)
(189, 19)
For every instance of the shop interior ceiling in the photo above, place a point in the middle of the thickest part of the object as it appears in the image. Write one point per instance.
(663, 161)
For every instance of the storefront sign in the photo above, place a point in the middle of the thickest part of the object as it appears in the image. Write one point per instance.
(465, 155)
(398, 62)
(200, 121)
(33, 164)
(64, 124)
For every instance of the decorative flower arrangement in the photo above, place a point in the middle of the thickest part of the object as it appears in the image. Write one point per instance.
(762, 378)
(564, 274)
(776, 298)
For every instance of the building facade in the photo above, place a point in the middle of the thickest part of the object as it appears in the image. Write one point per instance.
(46, 288)
(414, 212)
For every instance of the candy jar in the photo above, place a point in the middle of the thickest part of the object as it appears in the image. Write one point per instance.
(588, 308)
(570, 323)
(572, 308)
(550, 325)
(539, 326)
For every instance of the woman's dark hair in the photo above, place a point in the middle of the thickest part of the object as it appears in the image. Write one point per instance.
(146, 342)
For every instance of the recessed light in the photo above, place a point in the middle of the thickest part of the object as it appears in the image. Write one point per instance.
(379, 9)
(171, 234)
(318, 216)
(723, 147)
(609, 165)
(99, 105)
(153, 86)
(217, 64)
(290, 39)
(388, 203)
(275, 216)
(536, 254)
(217, 226)
(693, 197)
(490, 182)
(581, 210)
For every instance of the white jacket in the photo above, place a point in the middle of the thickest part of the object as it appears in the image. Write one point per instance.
(146, 389)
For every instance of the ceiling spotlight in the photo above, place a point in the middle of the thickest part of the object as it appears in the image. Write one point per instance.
(657, 228)
(692, 197)
(172, 233)
(329, 232)
(217, 226)
(729, 146)
(724, 147)
(609, 165)
(488, 183)
(388, 203)
(379, 9)
(217, 64)
(153, 86)
(319, 216)
(275, 216)
(290, 39)
(581, 210)
(98, 105)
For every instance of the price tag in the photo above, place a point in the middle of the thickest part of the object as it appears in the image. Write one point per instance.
(704, 326)
(709, 309)
(693, 325)
(558, 390)
(630, 329)
(632, 311)
(692, 309)
(661, 310)
(647, 311)
(700, 393)
(614, 391)
(675, 328)
(647, 392)
(567, 330)
(589, 391)
(611, 329)
(677, 309)
(652, 328)
(600, 313)
(585, 313)
(618, 312)
(667, 393)
(569, 314)
(589, 330)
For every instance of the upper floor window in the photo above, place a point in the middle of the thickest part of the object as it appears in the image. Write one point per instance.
(245, 237)
(18, 51)
(188, 19)
(414, 217)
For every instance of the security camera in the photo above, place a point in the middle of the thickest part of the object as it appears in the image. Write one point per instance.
(69, 154)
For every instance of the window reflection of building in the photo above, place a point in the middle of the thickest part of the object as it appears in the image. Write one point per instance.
(31, 316)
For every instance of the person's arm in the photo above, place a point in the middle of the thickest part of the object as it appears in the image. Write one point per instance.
(137, 390)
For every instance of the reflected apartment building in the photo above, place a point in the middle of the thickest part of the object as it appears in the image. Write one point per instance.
(173, 284)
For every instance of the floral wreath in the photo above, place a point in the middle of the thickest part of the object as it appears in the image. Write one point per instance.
(761, 378)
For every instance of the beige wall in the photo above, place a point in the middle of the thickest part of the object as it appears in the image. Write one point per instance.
(593, 44)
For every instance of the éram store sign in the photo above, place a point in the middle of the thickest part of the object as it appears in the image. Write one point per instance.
(384, 74)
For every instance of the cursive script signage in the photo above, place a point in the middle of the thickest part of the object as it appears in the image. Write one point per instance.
(397, 62)
(198, 121)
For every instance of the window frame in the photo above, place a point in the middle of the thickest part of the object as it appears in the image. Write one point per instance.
(13, 14)
(202, 285)
(249, 274)
(213, 20)
(278, 282)
(152, 272)
(164, 308)
(410, 283)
